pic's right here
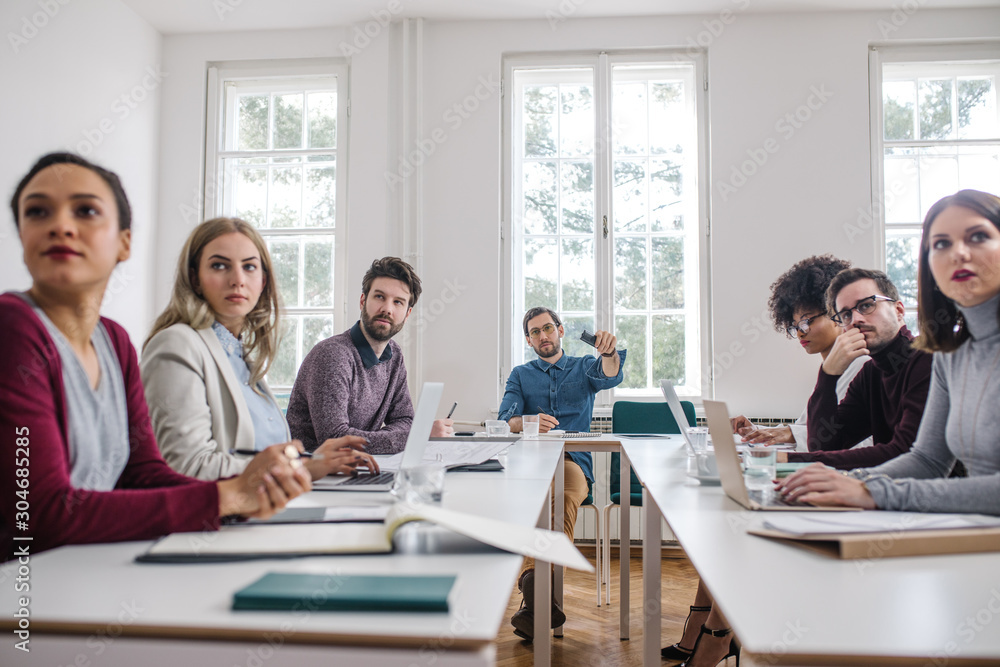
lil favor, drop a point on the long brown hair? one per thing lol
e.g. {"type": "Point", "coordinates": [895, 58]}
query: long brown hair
{"type": "Point", "coordinates": [260, 342]}
{"type": "Point", "coordinates": [937, 315]}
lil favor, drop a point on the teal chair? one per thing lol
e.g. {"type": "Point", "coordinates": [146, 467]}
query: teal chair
{"type": "Point", "coordinates": [633, 417]}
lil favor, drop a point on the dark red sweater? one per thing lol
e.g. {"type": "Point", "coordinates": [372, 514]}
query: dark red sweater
{"type": "Point", "coordinates": [149, 500]}
{"type": "Point", "coordinates": [885, 400]}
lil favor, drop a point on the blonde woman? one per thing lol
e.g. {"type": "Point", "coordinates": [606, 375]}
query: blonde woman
{"type": "Point", "coordinates": [204, 362]}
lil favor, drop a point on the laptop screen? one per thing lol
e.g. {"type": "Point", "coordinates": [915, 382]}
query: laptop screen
{"type": "Point", "coordinates": [423, 422]}
{"type": "Point", "coordinates": [677, 411]}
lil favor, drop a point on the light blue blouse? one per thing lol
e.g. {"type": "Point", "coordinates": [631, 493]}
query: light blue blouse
{"type": "Point", "coordinates": [269, 426]}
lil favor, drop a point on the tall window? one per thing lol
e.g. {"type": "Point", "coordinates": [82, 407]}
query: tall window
{"type": "Point", "coordinates": [276, 159]}
{"type": "Point", "coordinates": [606, 207]}
{"type": "Point", "coordinates": [938, 132]}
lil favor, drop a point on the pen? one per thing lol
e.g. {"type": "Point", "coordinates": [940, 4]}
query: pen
{"type": "Point", "coordinates": [253, 452]}
{"type": "Point", "coordinates": [452, 411]}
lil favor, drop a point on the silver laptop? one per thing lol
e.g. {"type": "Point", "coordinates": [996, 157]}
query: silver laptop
{"type": "Point", "coordinates": [413, 453]}
{"type": "Point", "coordinates": [730, 473]}
{"type": "Point", "coordinates": [677, 411]}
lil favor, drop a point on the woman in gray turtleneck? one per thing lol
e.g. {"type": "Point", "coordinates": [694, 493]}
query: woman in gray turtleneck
{"type": "Point", "coordinates": [959, 317]}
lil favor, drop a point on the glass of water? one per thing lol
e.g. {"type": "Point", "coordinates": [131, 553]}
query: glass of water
{"type": "Point", "coordinates": [497, 427]}
{"type": "Point", "coordinates": [761, 467]}
{"type": "Point", "coordinates": [420, 484]}
{"type": "Point", "coordinates": [529, 426]}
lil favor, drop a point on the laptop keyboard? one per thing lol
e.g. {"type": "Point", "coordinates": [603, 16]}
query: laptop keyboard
{"type": "Point", "coordinates": [365, 479]}
{"type": "Point", "coordinates": [778, 500]}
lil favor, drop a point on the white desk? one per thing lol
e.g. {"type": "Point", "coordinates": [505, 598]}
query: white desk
{"type": "Point", "coordinates": [806, 608]}
{"type": "Point", "coordinates": [92, 605]}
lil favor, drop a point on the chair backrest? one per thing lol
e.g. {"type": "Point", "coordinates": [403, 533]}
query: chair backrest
{"type": "Point", "coordinates": [636, 417]}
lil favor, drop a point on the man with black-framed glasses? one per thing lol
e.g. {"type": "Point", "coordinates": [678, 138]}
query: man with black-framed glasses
{"type": "Point", "coordinates": [560, 389]}
{"type": "Point", "coordinates": [886, 399]}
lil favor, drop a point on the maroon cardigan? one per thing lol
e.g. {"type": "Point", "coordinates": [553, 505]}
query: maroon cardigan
{"type": "Point", "coordinates": [149, 499]}
{"type": "Point", "coordinates": [885, 400]}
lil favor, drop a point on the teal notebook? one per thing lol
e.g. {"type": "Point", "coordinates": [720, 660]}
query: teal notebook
{"type": "Point", "coordinates": [786, 469]}
{"type": "Point", "coordinates": [352, 592]}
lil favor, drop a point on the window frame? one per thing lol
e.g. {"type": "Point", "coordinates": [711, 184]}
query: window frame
{"type": "Point", "coordinates": [601, 63]}
{"type": "Point", "coordinates": [215, 183]}
{"type": "Point", "coordinates": [887, 53]}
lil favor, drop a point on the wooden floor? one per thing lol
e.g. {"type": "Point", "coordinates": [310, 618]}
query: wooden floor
{"type": "Point", "coordinates": [591, 633]}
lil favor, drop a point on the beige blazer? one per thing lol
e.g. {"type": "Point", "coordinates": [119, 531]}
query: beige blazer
{"type": "Point", "coordinates": [195, 403]}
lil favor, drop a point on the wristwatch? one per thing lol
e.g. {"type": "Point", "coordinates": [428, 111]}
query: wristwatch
{"type": "Point", "coordinates": [609, 354]}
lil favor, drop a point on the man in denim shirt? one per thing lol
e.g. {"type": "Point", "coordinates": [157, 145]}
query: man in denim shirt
{"type": "Point", "coordinates": [560, 389]}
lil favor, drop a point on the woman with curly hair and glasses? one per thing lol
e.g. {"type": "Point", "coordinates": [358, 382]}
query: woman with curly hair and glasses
{"type": "Point", "coordinates": [798, 308]}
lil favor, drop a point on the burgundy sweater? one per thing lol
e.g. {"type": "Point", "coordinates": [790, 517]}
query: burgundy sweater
{"type": "Point", "coordinates": [149, 499]}
{"type": "Point", "coordinates": [885, 400]}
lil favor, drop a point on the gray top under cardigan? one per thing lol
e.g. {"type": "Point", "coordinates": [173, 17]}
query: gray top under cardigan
{"type": "Point", "coordinates": [97, 417]}
{"type": "Point", "coordinates": [961, 421]}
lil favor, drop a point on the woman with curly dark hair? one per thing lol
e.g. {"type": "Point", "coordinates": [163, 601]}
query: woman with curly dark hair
{"type": "Point", "coordinates": [798, 308]}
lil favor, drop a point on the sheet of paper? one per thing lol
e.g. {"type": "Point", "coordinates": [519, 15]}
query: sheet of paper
{"type": "Point", "coordinates": [546, 545]}
{"type": "Point", "coordinates": [452, 454]}
{"type": "Point", "coordinates": [874, 522]}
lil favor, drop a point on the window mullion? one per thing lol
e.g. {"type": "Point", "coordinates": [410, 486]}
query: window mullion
{"type": "Point", "coordinates": [603, 244]}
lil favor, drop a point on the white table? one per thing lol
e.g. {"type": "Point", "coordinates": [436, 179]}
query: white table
{"type": "Point", "coordinates": [92, 604]}
{"type": "Point", "coordinates": [789, 605]}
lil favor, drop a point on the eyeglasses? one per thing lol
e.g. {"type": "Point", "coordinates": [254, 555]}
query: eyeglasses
{"type": "Point", "coordinates": [864, 307]}
{"type": "Point", "coordinates": [802, 325]}
{"type": "Point", "coordinates": [549, 329]}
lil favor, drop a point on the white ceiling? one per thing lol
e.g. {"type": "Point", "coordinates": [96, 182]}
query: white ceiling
{"type": "Point", "coordinates": [185, 16]}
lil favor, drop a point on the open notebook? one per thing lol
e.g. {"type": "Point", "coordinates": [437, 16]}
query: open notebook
{"type": "Point", "coordinates": [234, 543]}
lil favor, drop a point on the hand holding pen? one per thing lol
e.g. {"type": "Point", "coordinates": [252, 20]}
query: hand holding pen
{"type": "Point", "coordinates": [335, 456]}
{"type": "Point", "coordinates": [545, 422]}
{"type": "Point", "coordinates": [444, 427]}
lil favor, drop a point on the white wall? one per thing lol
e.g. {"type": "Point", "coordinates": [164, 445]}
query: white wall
{"type": "Point", "coordinates": [64, 74]}
{"type": "Point", "coordinates": [182, 138]}
{"type": "Point", "coordinates": [761, 67]}
{"type": "Point", "coordinates": [67, 76]}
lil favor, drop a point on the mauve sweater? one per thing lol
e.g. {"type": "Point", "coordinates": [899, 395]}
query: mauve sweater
{"type": "Point", "coordinates": [961, 421]}
{"type": "Point", "coordinates": [149, 499]}
{"type": "Point", "coordinates": [885, 400]}
{"type": "Point", "coordinates": [336, 394]}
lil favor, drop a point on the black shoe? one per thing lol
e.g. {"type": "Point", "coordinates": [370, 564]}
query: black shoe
{"type": "Point", "coordinates": [734, 648]}
{"type": "Point", "coordinates": [523, 619]}
{"type": "Point", "coordinates": [677, 652]}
